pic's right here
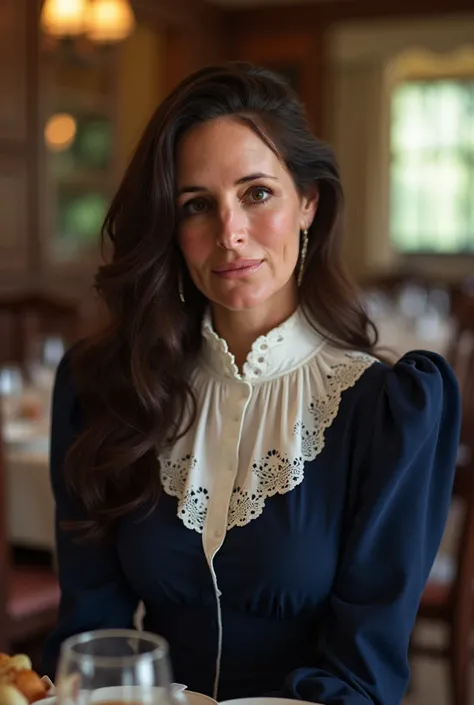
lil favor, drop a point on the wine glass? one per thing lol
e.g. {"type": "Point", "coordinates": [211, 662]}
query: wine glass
{"type": "Point", "coordinates": [116, 667]}
{"type": "Point", "coordinates": [44, 355]}
{"type": "Point", "coordinates": [11, 390]}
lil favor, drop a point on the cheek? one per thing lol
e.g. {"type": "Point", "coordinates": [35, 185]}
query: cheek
{"type": "Point", "coordinates": [276, 230]}
{"type": "Point", "coordinates": [194, 245]}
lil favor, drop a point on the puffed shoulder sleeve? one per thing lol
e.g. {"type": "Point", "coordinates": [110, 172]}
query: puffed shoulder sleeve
{"type": "Point", "coordinates": [94, 593]}
{"type": "Point", "coordinates": [397, 506]}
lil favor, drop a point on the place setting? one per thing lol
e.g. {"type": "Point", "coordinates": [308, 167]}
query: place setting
{"type": "Point", "coordinates": [107, 667]}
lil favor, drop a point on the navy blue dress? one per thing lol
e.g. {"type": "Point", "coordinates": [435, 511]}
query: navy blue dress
{"type": "Point", "coordinates": [318, 594]}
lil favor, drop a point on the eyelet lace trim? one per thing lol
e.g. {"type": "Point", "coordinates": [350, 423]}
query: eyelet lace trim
{"type": "Point", "coordinates": [256, 365]}
{"type": "Point", "coordinates": [277, 472]}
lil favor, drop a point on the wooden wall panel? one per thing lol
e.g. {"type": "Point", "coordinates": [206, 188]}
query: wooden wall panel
{"type": "Point", "coordinates": [13, 83]}
{"type": "Point", "coordinates": [297, 54]}
{"type": "Point", "coordinates": [14, 205]}
{"type": "Point", "coordinates": [305, 16]}
{"type": "Point", "coordinates": [175, 13]}
{"type": "Point", "coordinates": [193, 31]}
{"type": "Point", "coordinates": [17, 140]}
{"type": "Point", "coordinates": [191, 46]}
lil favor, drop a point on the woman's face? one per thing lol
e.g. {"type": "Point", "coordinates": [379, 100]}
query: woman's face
{"type": "Point", "coordinates": [240, 216]}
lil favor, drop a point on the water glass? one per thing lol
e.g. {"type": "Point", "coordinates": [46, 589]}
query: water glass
{"type": "Point", "coordinates": [115, 667]}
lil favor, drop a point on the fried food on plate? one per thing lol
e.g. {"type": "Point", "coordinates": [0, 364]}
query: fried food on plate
{"type": "Point", "coordinates": [19, 684]}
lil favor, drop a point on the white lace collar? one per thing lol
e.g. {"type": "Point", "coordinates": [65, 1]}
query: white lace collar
{"type": "Point", "coordinates": [254, 433]}
{"type": "Point", "coordinates": [278, 352]}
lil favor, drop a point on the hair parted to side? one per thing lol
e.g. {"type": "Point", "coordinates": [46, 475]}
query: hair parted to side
{"type": "Point", "coordinates": [133, 376]}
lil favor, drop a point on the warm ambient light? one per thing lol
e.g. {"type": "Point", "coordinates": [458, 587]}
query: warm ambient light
{"type": "Point", "coordinates": [60, 132]}
{"type": "Point", "coordinates": [102, 21]}
{"type": "Point", "coordinates": [64, 18]}
{"type": "Point", "coordinates": [109, 20]}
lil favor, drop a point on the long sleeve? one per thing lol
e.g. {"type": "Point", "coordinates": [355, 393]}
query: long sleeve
{"type": "Point", "coordinates": [94, 594]}
{"type": "Point", "coordinates": [397, 509]}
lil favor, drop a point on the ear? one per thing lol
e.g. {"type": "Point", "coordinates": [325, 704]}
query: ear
{"type": "Point", "coordinates": [309, 207]}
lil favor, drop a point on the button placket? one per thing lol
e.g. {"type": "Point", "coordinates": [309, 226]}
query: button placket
{"type": "Point", "coordinates": [224, 482]}
{"type": "Point", "coordinates": [218, 509]}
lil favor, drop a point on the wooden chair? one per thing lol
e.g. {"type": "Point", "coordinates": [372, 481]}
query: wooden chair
{"type": "Point", "coordinates": [29, 594]}
{"type": "Point", "coordinates": [22, 316]}
{"type": "Point", "coordinates": [452, 603]}
{"type": "Point", "coordinates": [3, 557]}
{"type": "Point", "coordinates": [461, 357]}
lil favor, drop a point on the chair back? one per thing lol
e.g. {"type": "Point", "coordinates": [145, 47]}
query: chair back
{"type": "Point", "coordinates": [4, 550]}
{"type": "Point", "coordinates": [26, 315]}
{"type": "Point", "coordinates": [461, 357]}
{"type": "Point", "coordinates": [462, 598]}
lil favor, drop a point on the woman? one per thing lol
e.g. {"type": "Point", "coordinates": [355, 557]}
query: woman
{"type": "Point", "coordinates": [229, 451]}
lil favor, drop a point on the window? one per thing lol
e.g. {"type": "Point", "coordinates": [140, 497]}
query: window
{"type": "Point", "coordinates": [432, 167]}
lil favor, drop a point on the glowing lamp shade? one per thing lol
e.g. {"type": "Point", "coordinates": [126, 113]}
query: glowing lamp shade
{"type": "Point", "coordinates": [64, 18]}
{"type": "Point", "coordinates": [109, 20]}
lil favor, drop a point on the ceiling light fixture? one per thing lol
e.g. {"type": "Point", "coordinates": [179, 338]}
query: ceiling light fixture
{"type": "Point", "coordinates": [101, 21]}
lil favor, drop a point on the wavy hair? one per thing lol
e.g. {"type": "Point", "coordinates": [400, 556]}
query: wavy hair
{"type": "Point", "coordinates": [133, 376]}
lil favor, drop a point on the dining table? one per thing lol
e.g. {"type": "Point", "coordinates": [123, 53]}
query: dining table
{"type": "Point", "coordinates": [29, 498]}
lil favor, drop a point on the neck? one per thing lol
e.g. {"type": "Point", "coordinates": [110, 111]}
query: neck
{"type": "Point", "coordinates": [240, 329]}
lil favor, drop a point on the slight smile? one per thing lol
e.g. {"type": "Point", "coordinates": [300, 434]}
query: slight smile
{"type": "Point", "coordinates": [239, 269]}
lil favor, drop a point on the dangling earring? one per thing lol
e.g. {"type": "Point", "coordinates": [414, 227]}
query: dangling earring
{"type": "Point", "coordinates": [304, 249]}
{"type": "Point", "coordinates": [181, 288]}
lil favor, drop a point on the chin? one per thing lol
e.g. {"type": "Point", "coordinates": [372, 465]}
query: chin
{"type": "Point", "coordinates": [242, 301]}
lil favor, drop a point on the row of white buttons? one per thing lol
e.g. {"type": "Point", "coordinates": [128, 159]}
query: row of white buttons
{"type": "Point", "coordinates": [217, 511]}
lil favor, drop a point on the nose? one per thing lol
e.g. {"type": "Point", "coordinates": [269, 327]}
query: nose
{"type": "Point", "coordinates": [231, 228]}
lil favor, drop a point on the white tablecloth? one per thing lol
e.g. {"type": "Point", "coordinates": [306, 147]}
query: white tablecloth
{"type": "Point", "coordinates": [30, 503]}
{"type": "Point", "coordinates": [401, 336]}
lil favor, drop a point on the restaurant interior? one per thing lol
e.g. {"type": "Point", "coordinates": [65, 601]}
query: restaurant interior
{"type": "Point", "coordinates": [388, 83]}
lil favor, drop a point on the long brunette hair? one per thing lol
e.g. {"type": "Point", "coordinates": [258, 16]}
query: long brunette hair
{"type": "Point", "coordinates": [133, 376]}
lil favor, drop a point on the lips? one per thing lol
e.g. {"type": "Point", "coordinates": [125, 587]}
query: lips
{"type": "Point", "coordinates": [240, 269]}
{"type": "Point", "coordinates": [239, 264]}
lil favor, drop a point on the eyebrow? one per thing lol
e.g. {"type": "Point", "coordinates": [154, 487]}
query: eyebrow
{"type": "Point", "coordinates": [243, 180]}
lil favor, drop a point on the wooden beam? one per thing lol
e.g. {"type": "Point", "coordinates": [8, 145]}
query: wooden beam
{"type": "Point", "coordinates": [294, 17]}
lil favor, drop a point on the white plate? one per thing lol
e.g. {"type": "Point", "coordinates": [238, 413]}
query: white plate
{"type": "Point", "coordinates": [264, 701]}
{"type": "Point", "coordinates": [193, 698]}
{"type": "Point", "coordinates": [108, 694]}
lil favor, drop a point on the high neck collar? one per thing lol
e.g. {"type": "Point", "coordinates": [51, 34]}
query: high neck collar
{"type": "Point", "coordinates": [281, 350]}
